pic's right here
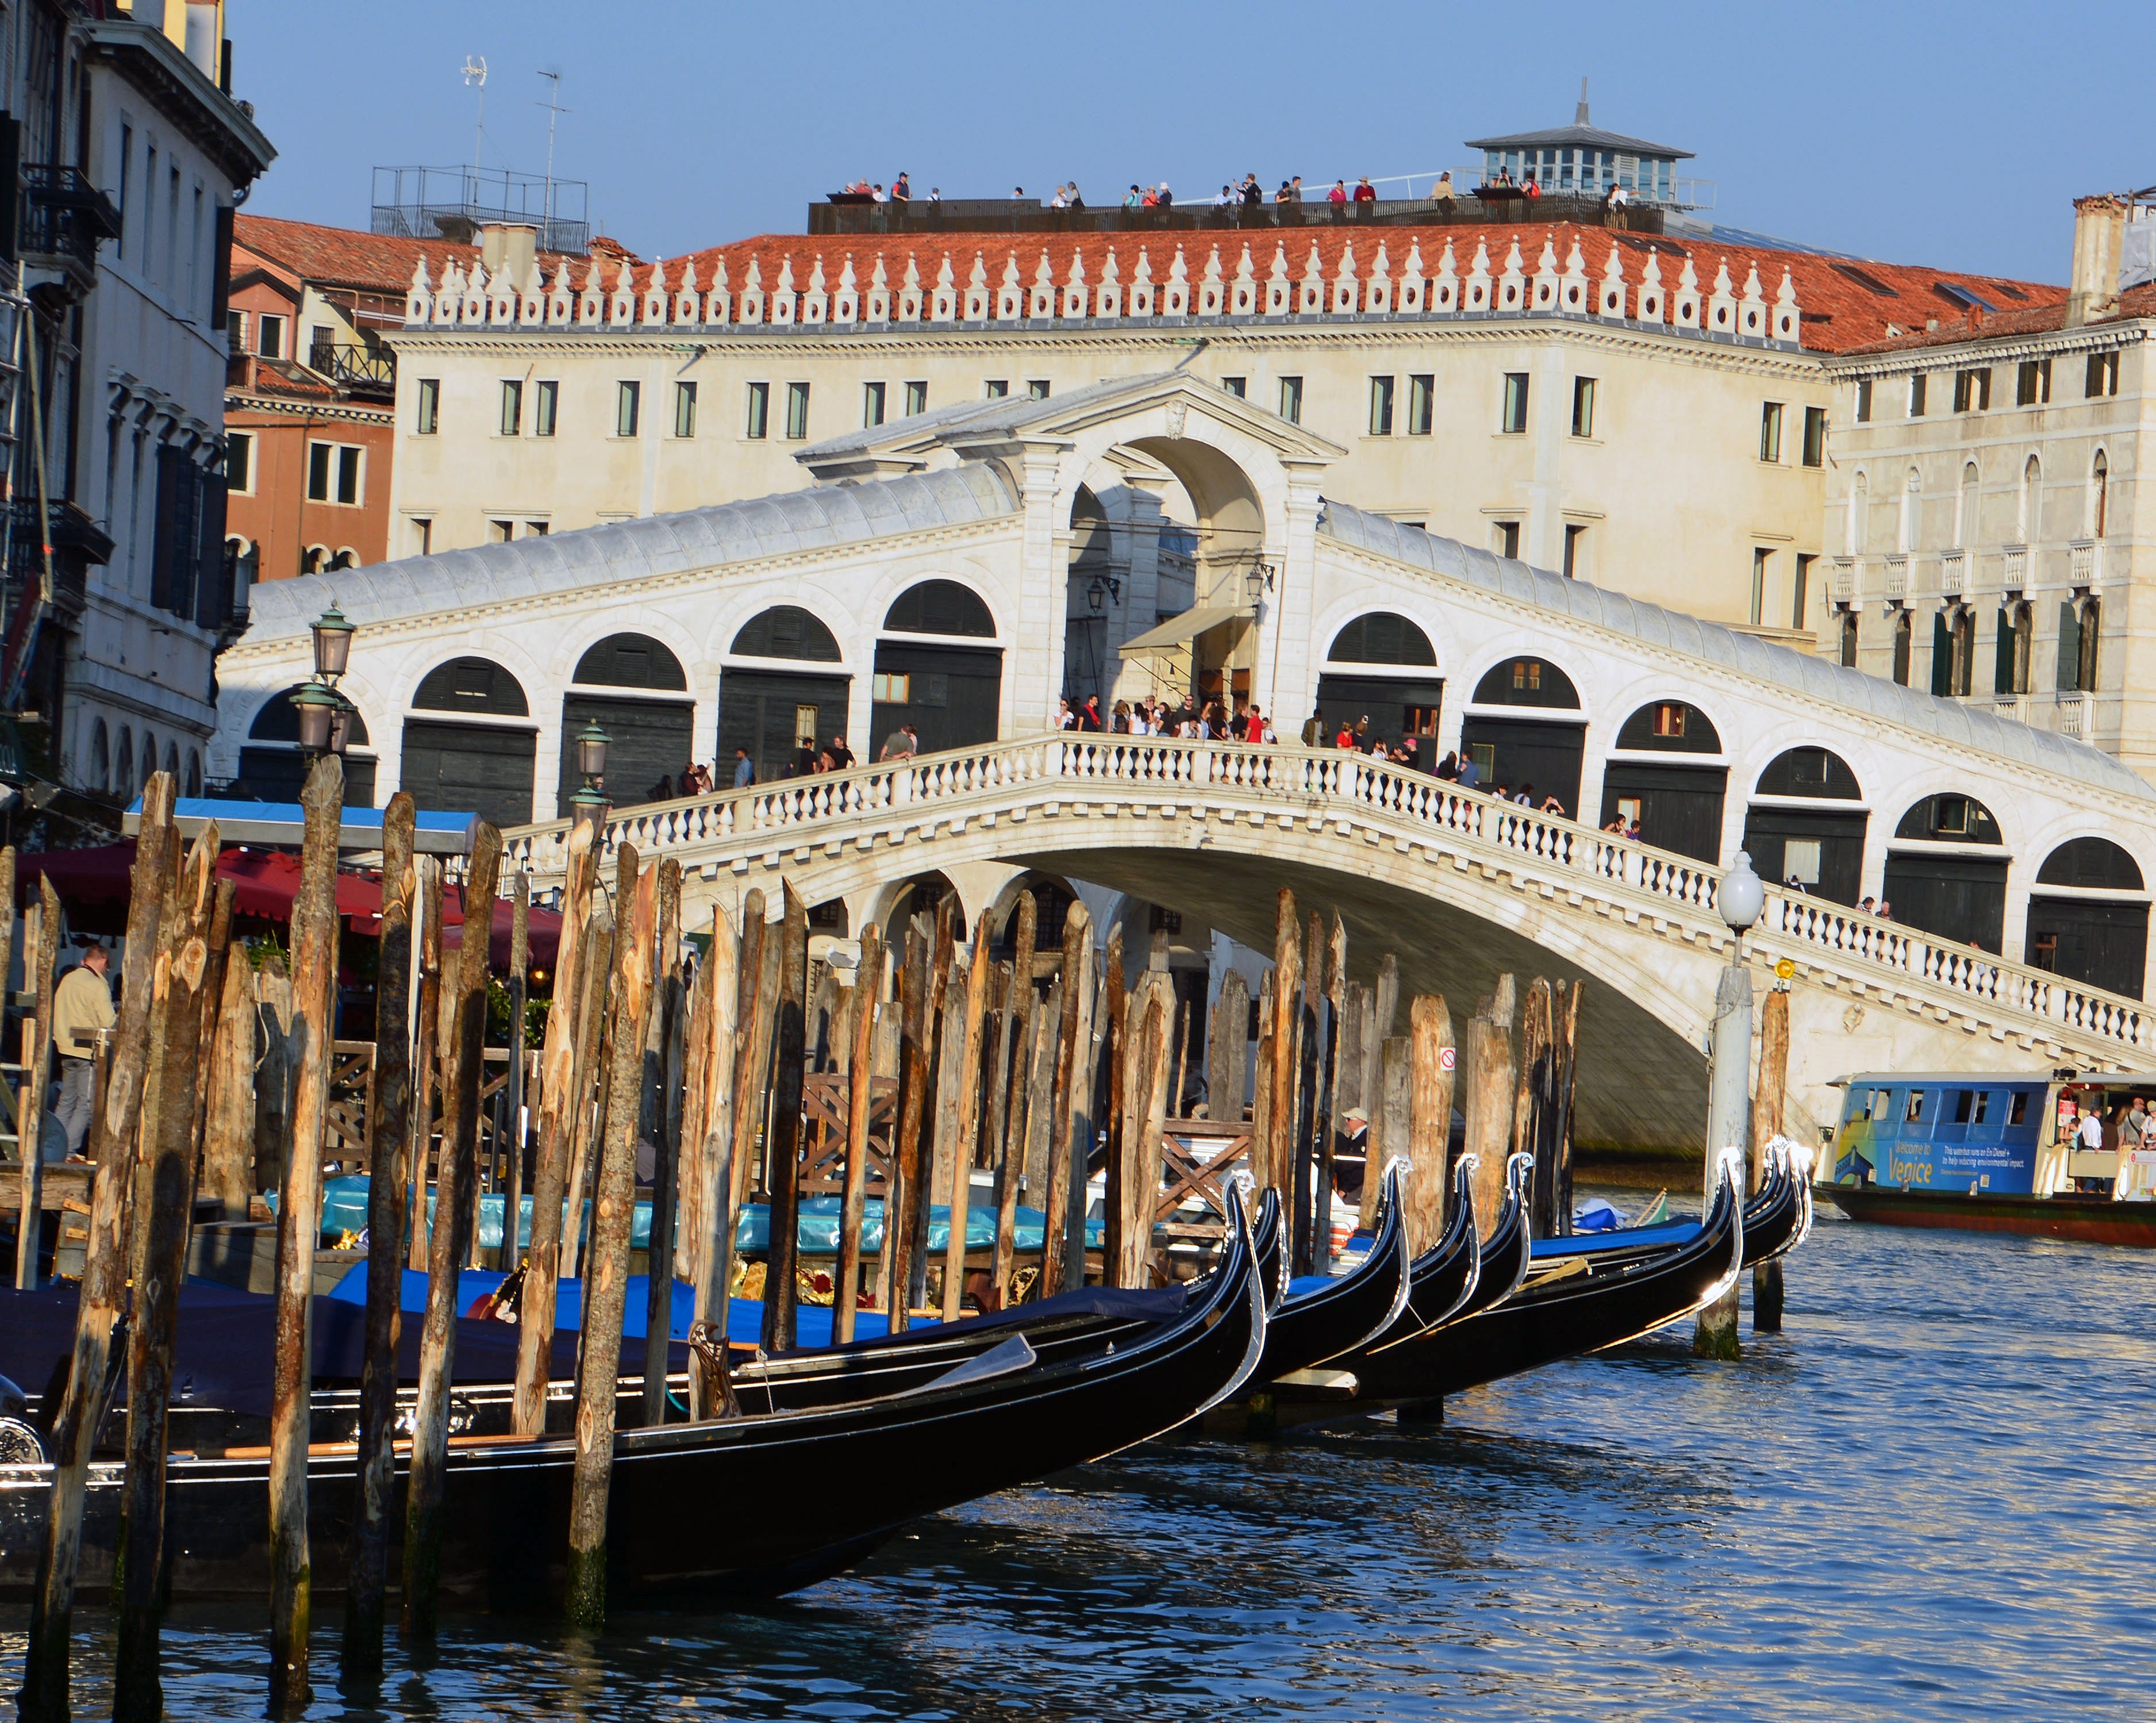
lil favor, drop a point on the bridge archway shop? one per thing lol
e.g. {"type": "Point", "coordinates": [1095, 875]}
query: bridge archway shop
{"type": "Point", "coordinates": [458, 756]}
{"type": "Point", "coordinates": [1670, 775]}
{"type": "Point", "coordinates": [2088, 917]}
{"type": "Point", "coordinates": [775, 705]}
{"type": "Point", "coordinates": [273, 769]}
{"type": "Point", "coordinates": [1525, 726]}
{"type": "Point", "coordinates": [1946, 871]}
{"type": "Point", "coordinates": [1806, 822]}
{"type": "Point", "coordinates": [1381, 665]}
{"type": "Point", "coordinates": [622, 685]}
{"type": "Point", "coordinates": [932, 671]}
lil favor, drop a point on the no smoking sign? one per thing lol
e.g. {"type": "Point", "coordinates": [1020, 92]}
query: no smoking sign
{"type": "Point", "coordinates": [1445, 1060]}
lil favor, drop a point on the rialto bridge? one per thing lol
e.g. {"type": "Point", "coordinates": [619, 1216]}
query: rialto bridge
{"type": "Point", "coordinates": [951, 567]}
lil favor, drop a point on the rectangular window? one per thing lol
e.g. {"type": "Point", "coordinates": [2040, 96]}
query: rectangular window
{"type": "Point", "coordinates": [1583, 406]}
{"type": "Point", "coordinates": [428, 420]}
{"type": "Point", "coordinates": [1239, 387]}
{"type": "Point", "coordinates": [1290, 399]}
{"type": "Point", "coordinates": [1670, 718]}
{"type": "Point", "coordinates": [239, 463]}
{"type": "Point", "coordinates": [320, 455]}
{"type": "Point", "coordinates": [996, 388]}
{"type": "Point", "coordinates": [916, 398]}
{"type": "Point", "coordinates": [270, 335]}
{"type": "Point", "coordinates": [501, 532]}
{"type": "Point", "coordinates": [1800, 588]}
{"type": "Point", "coordinates": [1516, 403]}
{"type": "Point", "coordinates": [512, 407]}
{"type": "Point", "coordinates": [422, 536]}
{"type": "Point", "coordinates": [2032, 384]}
{"type": "Point", "coordinates": [2018, 1112]}
{"type": "Point", "coordinates": [1036, 388]}
{"type": "Point", "coordinates": [1770, 435]}
{"type": "Point", "coordinates": [235, 331]}
{"type": "Point", "coordinates": [685, 409]}
{"type": "Point", "coordinates": [1528, 675]}
{"type": "Point", "coordinates": [759, 411]}
{"type": "Point", "coordinates": [1381, 406]}
{"type": "Point", "coordinates": [1973, 391]}
{"type": "Point", "coordinates": [1800, 860]}
{"type": "Point", "coordinates": [890, 689]}
{"type": "Point", "coordinates": [871, 405]}
{"type": "Point", "coordinates": [1574, 537]}
{"type": "Point", "coordinates": [1760, 560]}
{"type": "Point", "coordinates": [347, 483]}
{"type": "Point", "coordinates": [2102, 377]}
{"type": "Point", "coordinates": [1505, 538]}
{"type": "Point", "coordinates": [535, 529]}
{"type": "Point", "coordinates": [127, 162]}
{"type": "Point", "coordinates": [1815, 436]}
{"type": "Point", "coordinates": [544, 409]}
{"type": "Point", "coordinates": [1422, 404]}
{"type": "Point", "coordinates": [627, 404]}
{"type": "Point", "coordinates": [1864, 401]}
{"type": "Point", "coordinates": [1916, 394]}
{"type": "Point", "coordinates": [797, 411]}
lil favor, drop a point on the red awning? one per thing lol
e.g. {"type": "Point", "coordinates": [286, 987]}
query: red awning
{"type": "Point", "coordinates": [94, 884]}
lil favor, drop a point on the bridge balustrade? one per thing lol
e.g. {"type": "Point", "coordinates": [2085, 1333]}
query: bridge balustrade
{"type": "Point", "coordinates": [1318, 784]}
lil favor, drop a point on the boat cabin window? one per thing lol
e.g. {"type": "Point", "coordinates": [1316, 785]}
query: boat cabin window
{"type": "Point", "coordinates": [1964, 1105]}
{"type": "Point", "coordinates": [1983, 1106]}
{"type": "Point", "coordinates": [2019, 1110]}
{"type": "Point", "coordinates": [1915, 1107]}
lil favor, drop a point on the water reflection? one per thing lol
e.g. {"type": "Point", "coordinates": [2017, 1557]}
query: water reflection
{"type": "Point", "coordinates": [1923, 1500]}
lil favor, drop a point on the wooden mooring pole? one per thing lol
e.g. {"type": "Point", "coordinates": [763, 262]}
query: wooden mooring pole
{"type": "Point", "coordinates": [513, 1133]}
{"type": "Point", "coordinates": [966, 1131]}
{"type": "Point", "coordinates": [781, 1136]}
{"type": "Point", "coordinates": [868, 985]}
{"type": "Point", "coordinates": [1766, 1104]}
{"type": "Point", "coordinates": [41, 935]}
{"type": "Point", "coordinates": [669, 1017]}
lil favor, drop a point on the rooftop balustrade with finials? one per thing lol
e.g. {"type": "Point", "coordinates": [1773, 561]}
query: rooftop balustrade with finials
{"type": "Point", "coordinates": [848, 214]}
{"type": "Point", "coordinates": [353, 365]}
{"type": "Point", "coordinates": [1042, 778]}
{"type": "Point", "coordinates": [63, 217]}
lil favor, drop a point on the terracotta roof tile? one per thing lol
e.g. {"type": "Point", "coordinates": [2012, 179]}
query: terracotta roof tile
{"type": "Point", "coordinates": [2035, 320]}
{"type": "Point", "coordinates": [343, 257]}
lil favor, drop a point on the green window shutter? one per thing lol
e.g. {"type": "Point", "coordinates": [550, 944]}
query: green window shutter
{"type": "Point", "coordinates": [2002, 666]}
{"type": "Point", "coordinates": [2069, 648]}
{"type": "Point", "coordinates": [1942, 655]}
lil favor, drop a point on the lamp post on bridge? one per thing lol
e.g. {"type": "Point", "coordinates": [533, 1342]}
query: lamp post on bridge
{"type": "Point", "coordinates": [1740, 898]}
{"type": "Point", "coordinates": [325, 714]}
{"type": "Point", "coordinates": [589, 805]}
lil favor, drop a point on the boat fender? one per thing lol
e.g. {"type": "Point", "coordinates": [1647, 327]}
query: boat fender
{"type": "Point", "coordinates": [20, 1444]}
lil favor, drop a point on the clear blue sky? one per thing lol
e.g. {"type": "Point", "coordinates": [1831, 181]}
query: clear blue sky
{"type": "Point", "coordinates": [1949, 135]}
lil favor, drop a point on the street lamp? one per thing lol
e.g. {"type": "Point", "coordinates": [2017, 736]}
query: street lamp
{"type": "Point", "coordinates": [326, 716]}
{"type": "Point", "coordinates": [1741, 896]}
{"type": "Point", "coordinates": [318, 704]}
{"type": "Point", "coordinates": [341, 723]}
{"type": "Point", "coordinates": [588, 805]}
{"type": "Point", "coordinates": [332, 636]}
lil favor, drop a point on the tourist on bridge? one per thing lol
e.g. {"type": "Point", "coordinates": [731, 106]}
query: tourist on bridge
{"type": "Point", "coordinates": [900, 191]}
{"type": "Point", "coordinates": [1337, 197]}
{"type": "Point", "coordinates": [1088, 714]}
{"type": "Point", "coordinates": [1365, 192]}
{"type": "Point", "coordinates": [1135, 199]}
{"type": "Point", "coordinates": [901, 744]}
{"type": "Point", "coordinates": [1442, 193]}
{"type": "Point", "coordinates": [839, 752]}
{"type": "Point", "coordinates": [1470, 774]}
{"type": "Point", "coordinates": [744, 770]}
{"type": "Point", "coordinates": [1448, 768]}
{"type": "Point", "coordinates": [1065, 719]}
{"type": "Point", "coordinates": [1226, 200]}
{"type": "Point", "coordinates": [1313, 730]}
{"type": "Point", "coordinates": [1076, 198]}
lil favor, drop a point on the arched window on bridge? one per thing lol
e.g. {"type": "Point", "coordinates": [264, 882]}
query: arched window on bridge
{"type": "Point", "coordinates": [1382, 666]}
{"type": "Point", "coordinates": [2088, 920]}
{"type": "Point", "coordinates": [273, 769]}
{"type": "Point", "coordinates": [650, 736]}
{"type": "Point", "coordinates": [1677, 800]}
{"type": "Point", "coordinates": [466, 760]}
{"type": "Point", "coordinates": [1800, 829]}
{"type": "Point", "coordinates": [1936, 878]}
{"type": "Point", "coordinates": [1537, 734]}
{"type": "Point", "coordinates": [950, 692]}
{"type": "Point", "coordinates": [778, 709]}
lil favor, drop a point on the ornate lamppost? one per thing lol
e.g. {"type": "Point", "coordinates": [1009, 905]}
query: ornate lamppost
{"type": "Point", "coordinates": [589, 806]}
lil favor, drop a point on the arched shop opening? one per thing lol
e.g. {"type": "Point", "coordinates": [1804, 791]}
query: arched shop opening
{"type": "Point", "coordinates": [932, 676]}
{"type": "Point", "coordinates": [780, 710]}
{"type": "Point", "coordinates": [1382, 666]}
{"type": "Point", "coordinates": [1676, 795]}
{"type": "Point", "coordinates": [1525, 727]}
{"type": "Point", "coordinates": [273, 769]}
{"type": "Point", "coordinates": [1801, 826]}
{"type": "Point", "coordinates": [1939, 878]}
{"type": "Point", "coordinates": [622, 685]}
{"type": "Point", "coordinates": [2088, 919]}
{"type": "Point", "coordinates": [459, 757]}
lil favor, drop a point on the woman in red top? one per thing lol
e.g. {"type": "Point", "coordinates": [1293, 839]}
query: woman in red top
{"type": "Point", "coordinates": [1338, 194]}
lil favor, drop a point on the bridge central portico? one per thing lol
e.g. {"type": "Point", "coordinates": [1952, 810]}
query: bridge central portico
{"type": "Point", "coordinates": [934, 579]}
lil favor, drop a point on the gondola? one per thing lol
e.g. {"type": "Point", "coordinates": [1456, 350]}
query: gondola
{"type": "Point", "coordinates": [757, 1505]}
{"type": "Point", "coordinates": [1443, 1278]}
{"type": "Point", "coordinates": [1776, 1218]}
{"type": "Point", "coordinates": [1583, 1307]}
{"type": "Point", "coordinates": [1324, 1315]}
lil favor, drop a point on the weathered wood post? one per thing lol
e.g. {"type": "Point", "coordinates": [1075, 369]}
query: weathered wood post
{"type": "Point", "coordinates": [757, 1001]}
{"type": "Point", "coordinates": [1145, 1107]}
{"type": "Point", "coordinates": [781, 1155]}
{"type": "Point", "coordinates": [1278, 1150]}
{"type": "Point", "coordinates": [389, 1136]}
{"type": "Point", "coordinates": [427, 1051]}
{"type": "Point", "coordinates": [1567, 1070]}
{"type": "Point", "coordinates": [671, 1013]}
{"type": "Point", "coordinates": [1534, 1113]}
{"type": "Point", "coordinates": [1766, 1106]}
{"type": "Point", "coordinates": [1066, 1145]}
{"type": "Point", "coordinates": [1021, 1003]}
{"type": "Point", "coordinates": [560, 1097]}
{"type": "Point", "coordinates": [163, 1178]}
{"type": "Point", "coordinates": [228, 1137]}
{"type": "Point", "coordinates": [711, 1266]}
{"type": "Point", "coordinates": [1227, 1051]}
{"type": "Point", "coordinates": [315, 929]}
{"type": "Point", "coordinates": [512, 1094]}
{"type": "Point", "coordinates": [1728, 1124]}
{"type": "Point", "coordinates": [1379, 1011]}
{"type": "Point", "coordinates": [1430, 1119]}
{"type": "Point", "coordinates": [1117, 1037]}
{"type": "Point", "coordinates": [463, 991]}
{"type": "Point", "coordinates": [606, 1282]}
{"type": "Point", "coordinates": [590, 1065]}
{"type": "Point", "coordinates": [966, 1134]}
{"type": "Point", "coordinates": [1040, 1107]}
{"type": "Point", "coordinates": [45, 1696]}
{"type": "Point", "coordinates": [1487, 1113]}
{"type": "Point", "coordinates": [1326, 1135]}
{"type": "Point", "coordinates": [41, 939]}
{"type": "Point", "coordinates": [861, 1099]}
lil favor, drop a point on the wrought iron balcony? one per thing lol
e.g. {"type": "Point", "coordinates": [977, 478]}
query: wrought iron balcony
{"type": "Point", "coordinates": [77, 542]}
{"type": "Point", "coordinates": [353, 365]}
{"type": "Point", "coordinates": [63, 217]}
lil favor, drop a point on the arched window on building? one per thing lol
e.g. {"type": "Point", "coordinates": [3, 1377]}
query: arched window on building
{"type": "Point", "coordinates": [1902, 629]}
{"type": "Point", "coordinates": [146, 765]}
{"type": "Point", "coordinates": [949, 689]}
{"type": "Point", "coordinates": [243, 564]}
{"type": "Point", "coordinates": [650, 735]}
{"type": "Point", "coordinates": [2081, 622]}
{"type": "Point", "coordinates": [468, 759]}
{"type": "Point", "coordinates": [774, 710]}
{"type": "Point", "coordinates": [2009, 671]}
{"type": "Point", "coordinates": [2099, 494]}
{"type": "Point", "coordinates": [1965, 505]}
{"type": "Point", "coordinates": [1382, 666]}
{"type": "Point", "coordinates": [1804, 826]}
{"type": "Point", "coordinates": [1537, 735]}
{"type": "Point", "coordinates": [1938, 877]}
{"type": "Point", "coordinates": [345, 557]}
{"type": "Point", "coordinates": [2088, 917]}
{"type": "Point", "coordinates": [1954, 642]}
{"type": "Point", "coordinates": [2029, 506]}
{"type": "Point", "coordinates": [1675, 800]}
{"type": "Point", "coordinates": [273, 769]}
{"type": "Point", "coordinates": [99, 775]}
{"type": "Point", "coordinates": [1905, 527]}
{"type": "Point", "coordinates": [194, 778]}
{"type": "Point", "coordinates": [123, 764]}
{"type": "Point", "coordinates": [1849, 626]}
{"type": "Point", "coordinates": [314, 559]}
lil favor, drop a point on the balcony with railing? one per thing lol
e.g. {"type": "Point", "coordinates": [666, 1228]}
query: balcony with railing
{"type": "Point", "coordinates": [2085, 563]}
{"type": "Point", "coordinates": [1898, 576]}
{"type": "Point", "coordinates": [2016, 571]}
{"type": "Point", "coordinates": [355, 366]}
{"type": "Point", "coordinates": [63, 218]}
{"type": "Point", "coordinates": [1953, 574]}
{"type": "Point", "coordinates": [1846, 580]}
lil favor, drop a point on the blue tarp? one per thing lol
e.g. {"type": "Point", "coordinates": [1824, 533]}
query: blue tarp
{"type": "Point", "coordinates": [344, 1210]}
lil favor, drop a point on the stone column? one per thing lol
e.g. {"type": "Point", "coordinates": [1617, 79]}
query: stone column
{"type": "Point", "coordinates": [1283, 680]}
{"type": "Point", "coordinates": [1033, 659]}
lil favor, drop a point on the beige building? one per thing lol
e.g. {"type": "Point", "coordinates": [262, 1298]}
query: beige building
{"type": "Point", "coordinates": [1983, 513]}
{"type": "Point", "coordinates": [1645, 411]}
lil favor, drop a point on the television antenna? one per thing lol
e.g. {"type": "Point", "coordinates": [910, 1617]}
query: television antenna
{"type": "Point", "coordinates": [476, 78]}
{"type": "Point", "coordinates": [554, 112]}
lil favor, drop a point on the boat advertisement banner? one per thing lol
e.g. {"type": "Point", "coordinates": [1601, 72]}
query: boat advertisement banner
{"type": "Point", "coordinates": [1938, 1139]}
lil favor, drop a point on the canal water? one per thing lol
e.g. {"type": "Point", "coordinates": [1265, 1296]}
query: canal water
{"type": "Point", "coordinates": [1927, 1498]}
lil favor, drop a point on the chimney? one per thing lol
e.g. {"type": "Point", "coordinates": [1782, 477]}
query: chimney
{"type": "Point", "coordinates": [2099, 231]}
{"type": "Point", "coordinates": [1579, 114]}
{"type": "Point", "coordinates": [501, 243]}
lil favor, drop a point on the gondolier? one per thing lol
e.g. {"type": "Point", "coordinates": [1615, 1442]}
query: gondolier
{"type": "Point", "coordinates": [81, 1008]}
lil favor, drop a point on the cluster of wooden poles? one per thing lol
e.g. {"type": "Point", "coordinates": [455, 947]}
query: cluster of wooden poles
{"type": "Point", "coordinates": [707, 1062]}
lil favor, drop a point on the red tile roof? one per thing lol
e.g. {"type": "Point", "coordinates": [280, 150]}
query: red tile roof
{"type": "Point", "coordinates": [343, 257]}
{"type": "Point", "coordinates": [2037, 320]}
